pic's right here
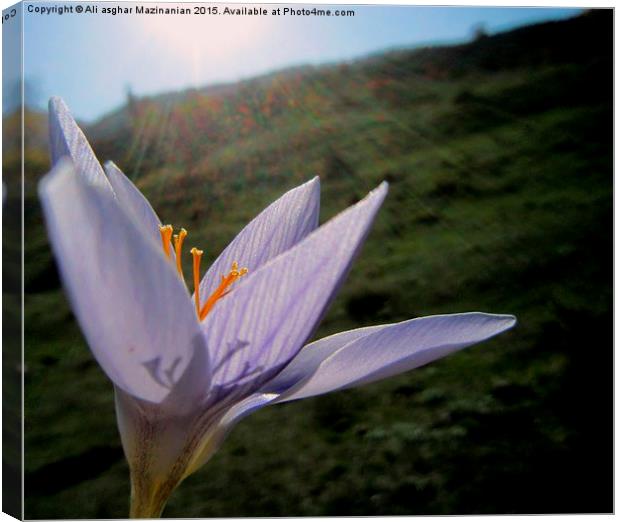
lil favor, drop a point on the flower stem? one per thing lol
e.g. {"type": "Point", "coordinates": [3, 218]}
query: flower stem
{"type": "Point", "coordinates": [140, 509]}
{"type": "Point", "coordinates": [146, 508]}
{"type": "Point", "coordinates": [148, 501]}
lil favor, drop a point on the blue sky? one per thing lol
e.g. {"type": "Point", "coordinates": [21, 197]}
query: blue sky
{"type": "Point", "coordinates": [91, 59]}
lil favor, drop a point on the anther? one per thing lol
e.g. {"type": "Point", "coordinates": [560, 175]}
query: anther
{"type": "Point", "coordinates": [166, 235]}
{"type": "Point", "coordinates": [178, 248]}
{"type": "Point", "coordinates": [223, 289]}
{"type": "Point", "coordinates": [197, 255]}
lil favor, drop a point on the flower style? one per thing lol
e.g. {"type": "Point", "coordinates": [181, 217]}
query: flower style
{"type": "Point", "coordinates": [187, 366]}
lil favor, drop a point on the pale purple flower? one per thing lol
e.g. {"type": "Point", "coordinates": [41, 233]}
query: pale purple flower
{"type": "Point", "coordinates": [186, 370]}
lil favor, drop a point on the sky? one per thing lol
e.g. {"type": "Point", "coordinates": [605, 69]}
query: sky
{"type": "Point", "coordinates": [91, 59]}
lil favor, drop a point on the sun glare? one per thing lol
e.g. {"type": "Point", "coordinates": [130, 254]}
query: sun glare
{"type": "Point", "coordinates": [206, 42]}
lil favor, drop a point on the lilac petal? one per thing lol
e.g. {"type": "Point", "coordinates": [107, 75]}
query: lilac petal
{"type": "Point", "coordinates": [308, 360]}
{"type": "Point", "coordinates": [67, 139]}
{"type": "Point", "coordinates": [275, 310]}
{"type": "Point", "coordinates": [364, 355]}
{"type": "Point", "coordinates": [281, 225]}
{"type": "Point", "coordinates": [132, 200]}
{"type": "Point", "coordinates": [134, 310]}
{"type": "Point", "coordinates": [163, 429]}
{"type": "Point", "coordinates": [218, 433]}
{"type": "Point", "coordinates": [394, 349]}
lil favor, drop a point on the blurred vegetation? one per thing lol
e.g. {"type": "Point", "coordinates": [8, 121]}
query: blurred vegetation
{"type": "Point", "coordinates": [12, 440]}
{"type": "Point", "coordinates": [499, 155]}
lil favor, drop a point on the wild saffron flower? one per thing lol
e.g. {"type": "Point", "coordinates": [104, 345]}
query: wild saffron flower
{"type": "Point", "coordinates": [188, 365]}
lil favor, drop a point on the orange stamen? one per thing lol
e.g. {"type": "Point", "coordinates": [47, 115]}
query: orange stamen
{"type": "Point", "coordinates": [223, 289]}
{"type": "Point", "coordinates": [166, 235]}
{"type": "Point", "coordinates": [197, 254]}
{"type": "Point", "coordinates": [178, 248]}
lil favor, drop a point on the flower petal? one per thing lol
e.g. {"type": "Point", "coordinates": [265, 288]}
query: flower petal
{"type": "Point", "coordinates": [394, 349]}
{"type": "Point", "coordinates": [276, 229]}
{"type": "Point", "coordinates": [265, 321]}
{"type": "Point", "coordinates": [131, 199]}
{"type": "Point", "coordinates": [67, 139]}
{"type": "Point", "coordinates": [134, 310]}
{"type": "Point", "coordinates": [352, 358]}
{"type": "Point", "coordinates": [310, 357]}
{"type": "Point", "coordinates": [218, 432]}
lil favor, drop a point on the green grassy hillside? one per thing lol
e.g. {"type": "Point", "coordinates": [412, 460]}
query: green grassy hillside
{"type": "Point", "coordinates": [499, 157]}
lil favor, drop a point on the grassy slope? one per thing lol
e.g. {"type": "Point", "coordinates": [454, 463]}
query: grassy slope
{"type": "Point", "coordinates": [499, 157]}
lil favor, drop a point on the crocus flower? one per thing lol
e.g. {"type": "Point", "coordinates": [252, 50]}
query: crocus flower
{"type": "Point", "coordinates": [187, 366]}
